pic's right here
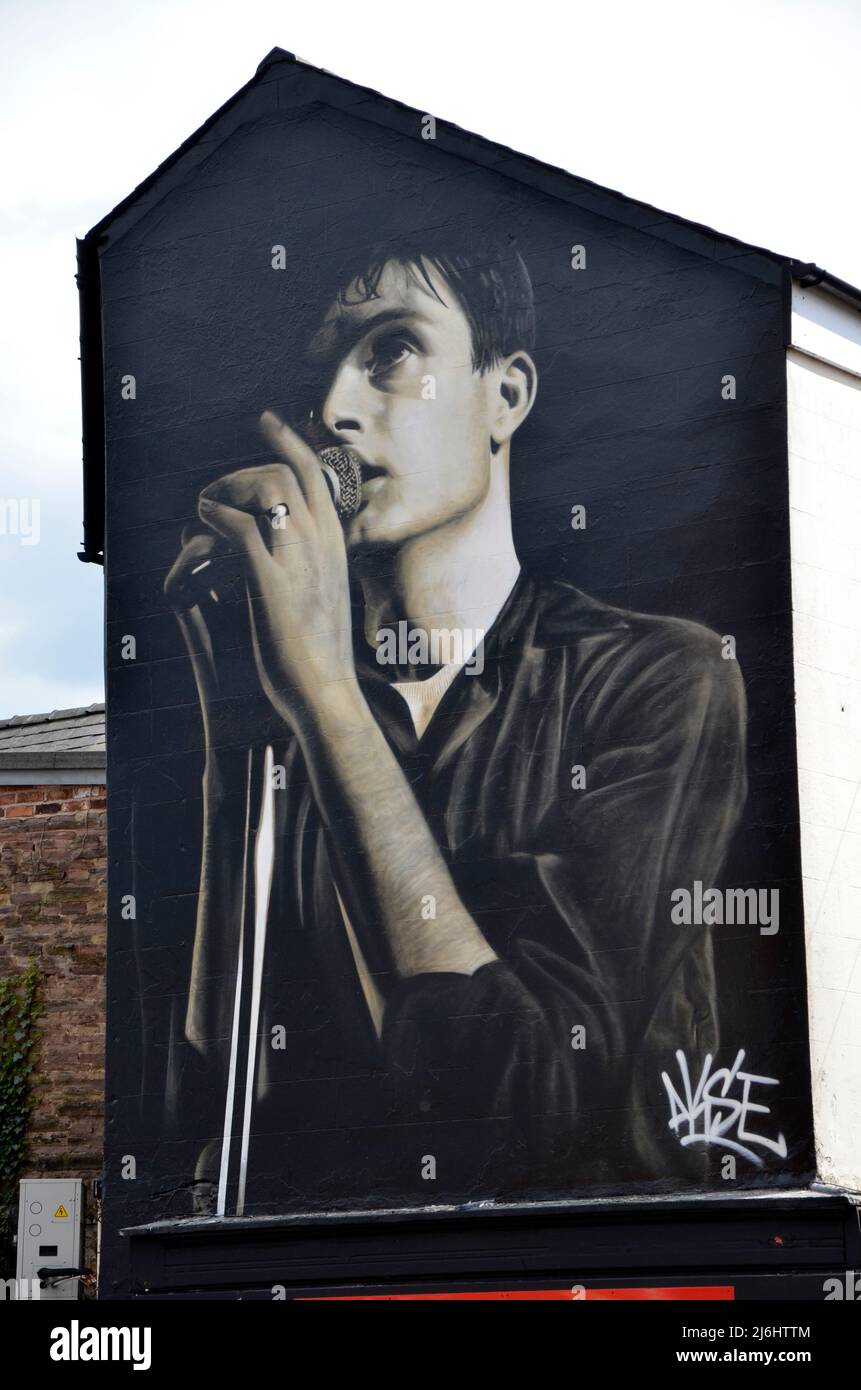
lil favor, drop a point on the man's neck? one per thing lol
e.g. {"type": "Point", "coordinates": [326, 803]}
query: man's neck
{"type": "Point", "coordinates": [456, 577]}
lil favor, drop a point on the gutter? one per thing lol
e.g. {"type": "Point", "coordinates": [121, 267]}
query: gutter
{"type": "Point", "coordinates": [809, 275]}
{"type": "Point", "coordinates": [39, 768]}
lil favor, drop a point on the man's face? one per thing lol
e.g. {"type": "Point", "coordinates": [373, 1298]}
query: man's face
{"type": "Point", "coordinates": [403, 393]}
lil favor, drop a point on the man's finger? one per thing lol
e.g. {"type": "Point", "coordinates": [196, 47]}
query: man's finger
{"type": "Point", "coordinates": [195, 556]}
{"type": "Point", "coordinates": [255, 489]}
{"type": "Point", "coordinates": [299, 455]}
{"type": "Point", "coordinates": [238, 528]}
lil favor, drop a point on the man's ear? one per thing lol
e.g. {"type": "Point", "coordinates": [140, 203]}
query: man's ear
{"type": "Point", "coordinates": [515, 388]}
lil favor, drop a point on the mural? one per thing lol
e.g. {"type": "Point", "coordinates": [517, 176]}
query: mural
{"type": "Point", "coordinates": [458, 803]}
{"type": "Point", "coordinates": [457, 864]}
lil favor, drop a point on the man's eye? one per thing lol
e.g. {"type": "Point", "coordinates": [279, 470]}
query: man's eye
{"type": "Point", "coordinates": [388, 352]}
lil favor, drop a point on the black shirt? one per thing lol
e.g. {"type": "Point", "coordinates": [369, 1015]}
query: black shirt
{"type": "Point", "coordinates": [539, 1076]}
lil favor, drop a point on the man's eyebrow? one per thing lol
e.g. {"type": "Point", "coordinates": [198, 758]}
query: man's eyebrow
{"type": "Point", "coordinates": [347, 332]}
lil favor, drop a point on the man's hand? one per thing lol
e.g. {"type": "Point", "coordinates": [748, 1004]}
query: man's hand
{"type": "Point", "coordinates": [384, 854]}
{"type": "Point", "coordinates": [295, 573]}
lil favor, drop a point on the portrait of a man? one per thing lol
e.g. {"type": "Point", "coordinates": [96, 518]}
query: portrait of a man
{"type": "Point", "coordinates": [434, 956]}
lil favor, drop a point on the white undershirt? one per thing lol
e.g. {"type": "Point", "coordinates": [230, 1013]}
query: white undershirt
{"type": "Point", "coordinates": [422, 697]}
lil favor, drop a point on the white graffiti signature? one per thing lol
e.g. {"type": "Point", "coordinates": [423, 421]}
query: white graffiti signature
{"type": "Point", "coordinates": [710, 1114]}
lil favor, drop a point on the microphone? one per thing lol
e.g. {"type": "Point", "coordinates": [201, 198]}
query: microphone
{"type": "Point", "coordinates": [343, 473]}
{"type": "Point", "coordinates": [191, 576]}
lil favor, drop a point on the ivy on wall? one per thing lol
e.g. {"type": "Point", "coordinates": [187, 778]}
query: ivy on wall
{"type": "Point", "coordinates": [20, 1006]}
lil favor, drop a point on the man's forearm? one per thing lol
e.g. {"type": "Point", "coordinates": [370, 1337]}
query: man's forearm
{"type": "Point", "coordinates": [350, 763]}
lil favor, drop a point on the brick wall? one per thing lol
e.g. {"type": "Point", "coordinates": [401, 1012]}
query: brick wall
{"type": "Point", "coordinates": [52, 910]}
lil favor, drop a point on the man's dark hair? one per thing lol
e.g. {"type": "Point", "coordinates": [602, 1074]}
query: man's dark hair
{"type": "Point", "coordinates": [488, 275]}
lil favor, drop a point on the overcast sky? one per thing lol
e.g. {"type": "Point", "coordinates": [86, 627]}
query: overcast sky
{"type": "Point", "coordinates": [742, 114]}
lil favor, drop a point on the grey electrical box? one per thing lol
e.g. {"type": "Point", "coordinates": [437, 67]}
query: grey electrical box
{"type": "Point", "coordinates": [50, 1219]}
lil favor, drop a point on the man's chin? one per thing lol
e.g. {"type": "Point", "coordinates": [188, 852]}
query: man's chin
{"type": "Point", "coordinates": [386, 530]}
{"type": "Point", "coordinates": [367, 531]}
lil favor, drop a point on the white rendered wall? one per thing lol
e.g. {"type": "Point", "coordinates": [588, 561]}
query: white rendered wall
{"type": "Point", "coordinates": [824, 400]}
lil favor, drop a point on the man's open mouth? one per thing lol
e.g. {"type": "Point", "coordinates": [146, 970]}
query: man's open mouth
{"type": "Point", "coordinates": [370, 471]}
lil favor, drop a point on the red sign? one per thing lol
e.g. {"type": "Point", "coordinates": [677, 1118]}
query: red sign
{"type": "Point", "coordinates": [713, 1292]}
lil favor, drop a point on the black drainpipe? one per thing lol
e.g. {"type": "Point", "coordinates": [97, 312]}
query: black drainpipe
{"type": "Point", "coordinates": [92, 402]}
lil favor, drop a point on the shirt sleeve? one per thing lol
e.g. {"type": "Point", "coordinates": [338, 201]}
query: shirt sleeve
{"type": "Point", "coordinates": [596, 987]}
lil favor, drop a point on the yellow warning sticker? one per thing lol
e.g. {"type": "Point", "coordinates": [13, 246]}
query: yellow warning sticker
{"type": "Point", "coordinates": [61, 1213]}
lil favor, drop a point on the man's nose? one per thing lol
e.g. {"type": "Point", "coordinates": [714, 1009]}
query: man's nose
{"type": "Point", "coordinates": [344, 409]}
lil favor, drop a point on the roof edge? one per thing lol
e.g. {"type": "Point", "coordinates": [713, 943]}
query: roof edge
{"type": "Point", "coordinates": [89, 277]}
{"type": "Point", "coordinates": [281, 55]}
{"type": "Point", "coordinates": [275, 55]}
